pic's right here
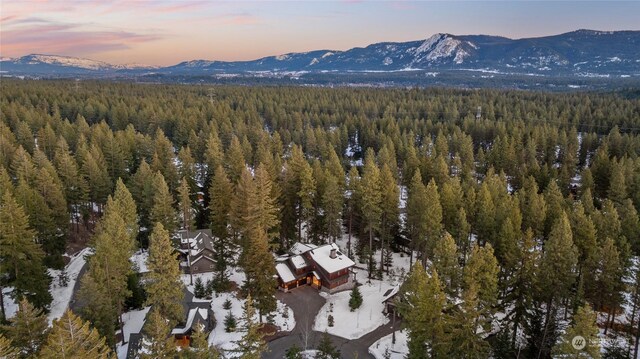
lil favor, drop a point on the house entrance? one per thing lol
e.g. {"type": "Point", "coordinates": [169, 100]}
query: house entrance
{"type": "Point", "coordinates": [314, 280]}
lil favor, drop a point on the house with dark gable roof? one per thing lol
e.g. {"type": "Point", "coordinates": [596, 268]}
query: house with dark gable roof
{"type": "Point", "coordinates": [196, 251]}
{"type": "Point", "coordinates": [323, 267]}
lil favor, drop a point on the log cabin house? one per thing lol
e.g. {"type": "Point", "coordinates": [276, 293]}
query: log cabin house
{"type": "Point", "coordinates": [323, 267]}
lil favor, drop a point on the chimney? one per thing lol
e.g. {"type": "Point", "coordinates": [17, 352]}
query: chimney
{"type": "Point", "coordinates": [333, 253]}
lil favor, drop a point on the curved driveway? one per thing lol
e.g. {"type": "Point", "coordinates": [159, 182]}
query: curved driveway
{"type": "Point", "coordinates": [306, 303]}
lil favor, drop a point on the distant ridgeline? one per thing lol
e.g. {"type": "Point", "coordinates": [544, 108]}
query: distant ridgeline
{"type": "Point", "coordinates": [583, 59]}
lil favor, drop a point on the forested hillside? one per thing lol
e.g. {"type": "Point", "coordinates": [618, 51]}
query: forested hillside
{"type": "Point", "coordinates": [519, 210]}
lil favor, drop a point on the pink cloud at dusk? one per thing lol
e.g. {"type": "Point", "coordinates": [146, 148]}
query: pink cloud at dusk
{"type": "Point", "coordinates": [165, 32]}
{"type": "Point", "coordinates": [35, 35]}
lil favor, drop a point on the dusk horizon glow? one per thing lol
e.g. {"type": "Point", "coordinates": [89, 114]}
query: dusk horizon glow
{"type": "Point", "coordinates": [167, 32]}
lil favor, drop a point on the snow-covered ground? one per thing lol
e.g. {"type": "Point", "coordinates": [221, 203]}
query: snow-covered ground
{"type": "Point", "coordinates": [139, 259]}
{"type": "Point", "coordinates": [62, 294]}
{"type": "Point", "coordinates": [399, 350]}
{"type": "Point", "coordinates": [10, 306]}
{"type": "Point", "coordinates": [353, 325]}
{"type": "Point", "coordinates": [133, 322]}
{"type": "Point", "coordinates": [283, 319]}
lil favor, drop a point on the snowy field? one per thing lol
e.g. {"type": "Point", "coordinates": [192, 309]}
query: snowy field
{"type": "Point", "coordinates": [353, 325]}
{"type": "Point", "coordinates": [62, 294]}
{"type": "Point", "coordinates": [399, 350]}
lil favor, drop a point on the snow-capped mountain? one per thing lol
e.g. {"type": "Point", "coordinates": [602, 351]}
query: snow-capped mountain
{"type": "Point", "coordinates": [53, 64]}
{"type": "Point", "coordinates": [585, 53]}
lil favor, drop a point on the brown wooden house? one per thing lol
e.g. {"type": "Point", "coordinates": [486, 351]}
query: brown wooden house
{"type": "Point", "coordinates": [323, 267]}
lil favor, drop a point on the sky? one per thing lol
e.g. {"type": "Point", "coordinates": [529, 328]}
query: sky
{"type": "Point", "coordinates": [167, 32]}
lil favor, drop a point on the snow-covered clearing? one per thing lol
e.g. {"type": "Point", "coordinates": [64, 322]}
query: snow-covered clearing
{"type": "Point", "coordinates": [62, 294]}
{"type": "Point", "coordinates": [133, 322]}
{"type": "Point", "coordinates": [399, 350]}
{"type": "Point", "coordinates": [282, 318]}
{"type": "Point", "coordinates": [353, 325]}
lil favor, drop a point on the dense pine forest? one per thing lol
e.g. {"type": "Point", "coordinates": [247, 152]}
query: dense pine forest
{"type": "Point", "coordinates": [518, 210]}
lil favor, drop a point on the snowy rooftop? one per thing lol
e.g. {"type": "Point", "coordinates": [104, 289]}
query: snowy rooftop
{"type": "Point", "coordinates": [298, 262]}
{"type": "Point", "coordinates": [299, 248]}
{"type": "Point", "coordinates": [203, 313]}
{"type": "Point", "coordinates": [285, 273]}
{"type": "Point", "coordinates": [390, 293]}
{"type": "Point", "coordinates": [322, 256]}
{"type": "Point", "coordinates": [196, 240]}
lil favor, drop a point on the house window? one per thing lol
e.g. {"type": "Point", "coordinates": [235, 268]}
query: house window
{"type": "Point", "coordinates": [210, 266]}
{"type": "Point", "coordinates": [195, 268]}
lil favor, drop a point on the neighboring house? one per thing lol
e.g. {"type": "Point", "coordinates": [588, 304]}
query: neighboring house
{"type": "Point", "coordinates": [196, 248]}
{"type": "Point", "coordinates": [198, 313]}
{"type": "Point", "coordinates": [390, 300]}
{"type": "Point", "coordinates": [323, 267]}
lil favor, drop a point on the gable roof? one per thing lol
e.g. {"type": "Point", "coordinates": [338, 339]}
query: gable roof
{"type": "Point", "coordinates": [194, 316]}
{"type": "Point", "coordinates": [300, 248]}
{"type": "Point", "coordinates": [197, 240]}
{"type": "Point", "coordinates": [285, 273]}
{"type": "Point", "coordinates": [298, 262]}
{"type": "Point", "coordinates": [389, 294]}
{"type": "Point", "coordinates": [322, 257]}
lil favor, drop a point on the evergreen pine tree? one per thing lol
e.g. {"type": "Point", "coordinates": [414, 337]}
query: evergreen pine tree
{"type": "Point", "coordinates": [185, 208]}
{"type": "Point", "coordinates": [482, 270]}
{"type": "Point", "coordinates": [421, 304]}
{"type": "Point", "coordinates": [200, 348]}
{"type": "Point", "coordinates": [465, 340]}
{"type": "Point", "coordinates": [585, 326]}
{"type": "Point", "coordinates": [7, 350]}
{"type": "Point", "coordinates": [263, 210]}
{"type": "Point", "coordinates": [104, 287]}
{"type": "Point", "coordinates": [251, 345]}
{"type": "Point", "coordinates": [390, 214]}
{"type": "Point", "coordinates": [157, 343]}
{"type": "Point", "coordinates": [230, 323]}
{"type": "Point", "coordinates": [199, 291]}
{"type": "Point", "coordinates": [27, 330]}
{"type": "Point", "coordinates": [234, 161]}
{"type": "Point", "coordinates": [162, 210]}
{"type": "Point", "coordinates": [20, 257]}
{"type": "Point", "coordinates": [355, 300]}
{"type": "Point", "coordinates": [332, 201]}
{"type": "Point", "coordinates": [125, 206]}
{"type": "Point", "coordinates": [163, 284]}
{"type": "Point", "coordinates": [445, 260]}
{"type": "Point", "coordinates": [326, 349]}
{"type": "Point", "coordinates": [416, 213]}
{"type": "Point", "coordinates": [71, 337]}
{"type": "Point", "coordinates": [294, 352]}
{"type": "Point", "coordinates": [259, 267]}
{"type": "Point", "coordinates": [371, 197]}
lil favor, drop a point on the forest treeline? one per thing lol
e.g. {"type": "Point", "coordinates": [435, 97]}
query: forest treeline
{"type": "Point", "coordinates": [520, 208]}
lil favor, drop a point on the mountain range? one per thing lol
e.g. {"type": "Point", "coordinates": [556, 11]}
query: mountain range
{"type": "Point", "coordinates": [581, 53]}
